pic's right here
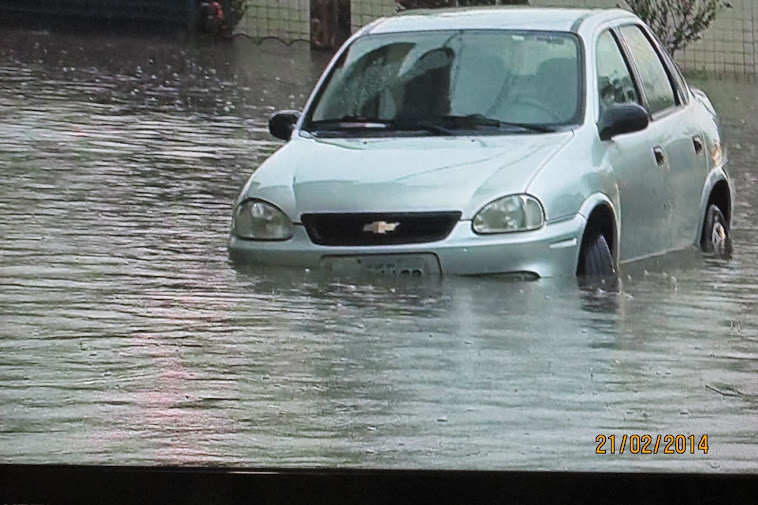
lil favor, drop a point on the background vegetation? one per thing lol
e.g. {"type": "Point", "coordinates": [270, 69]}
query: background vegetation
{"type": "Point", "coordinates": [234, 11]}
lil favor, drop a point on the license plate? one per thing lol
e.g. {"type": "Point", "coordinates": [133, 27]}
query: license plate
{"type": "Point", "coordinates": [412, 265]}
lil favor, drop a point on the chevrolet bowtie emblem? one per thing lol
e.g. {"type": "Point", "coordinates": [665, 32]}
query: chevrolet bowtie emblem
{"type": "Point", "coordinates": [381, 227]}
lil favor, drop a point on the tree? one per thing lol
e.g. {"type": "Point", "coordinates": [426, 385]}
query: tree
{"type": "Point", "coordinates": [234, 11]}
{"type": "Point", "coordinates": [678, 23]}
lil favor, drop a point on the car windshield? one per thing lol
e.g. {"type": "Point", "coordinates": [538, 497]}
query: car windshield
{"type": "Point", "coordinates": [445, 82]}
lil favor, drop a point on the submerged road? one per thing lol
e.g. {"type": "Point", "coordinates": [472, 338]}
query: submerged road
{"type": "Point", "coordinates": [126, 336]}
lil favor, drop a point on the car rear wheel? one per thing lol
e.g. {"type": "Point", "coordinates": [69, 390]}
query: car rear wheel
{"type": "Point", "coordinates": [715, 239]}
{"type": "Point", "coordinates": [595, 259]}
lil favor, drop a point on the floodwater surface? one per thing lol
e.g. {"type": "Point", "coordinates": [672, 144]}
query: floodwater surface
{"type": "Point", "coordinates": [127, 337]}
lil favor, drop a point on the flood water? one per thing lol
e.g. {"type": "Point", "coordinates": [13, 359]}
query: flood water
{"type": "Point", "coordinates": [127, 337]}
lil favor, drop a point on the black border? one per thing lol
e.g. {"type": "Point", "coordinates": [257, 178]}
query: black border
{"type": "Point", "coordinates": [61, 484]}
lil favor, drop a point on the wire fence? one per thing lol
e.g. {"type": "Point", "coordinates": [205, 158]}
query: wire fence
{"type": "Point", "coordinates": [730, 46]}
{"type": "Point", "coordinates": [365, 11]}
{"type": "Point", "coordinates": [288, 20]}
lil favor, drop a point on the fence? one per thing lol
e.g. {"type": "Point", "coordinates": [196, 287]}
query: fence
{"type": "Point", "coordinates": [729, 46]}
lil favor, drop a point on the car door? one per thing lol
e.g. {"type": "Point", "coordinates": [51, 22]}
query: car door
{"type": "Point", "coordinates": [680, 141]}
{"type": "Point", "coordinates": [643, 181]}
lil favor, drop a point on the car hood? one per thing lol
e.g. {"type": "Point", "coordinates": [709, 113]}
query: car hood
{"type": "Point", "coordinates": [400, 174]}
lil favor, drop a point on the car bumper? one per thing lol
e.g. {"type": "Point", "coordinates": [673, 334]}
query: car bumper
{"type": "Point", "coordinates": [548, 252]}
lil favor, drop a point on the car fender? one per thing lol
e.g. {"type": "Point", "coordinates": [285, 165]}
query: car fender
{"type": "Point", "coordinates": [716, 175]}
{"type": "Point", "coordinates": [589, 205]}
{"type": "Point", "coordinates": [701, 97]}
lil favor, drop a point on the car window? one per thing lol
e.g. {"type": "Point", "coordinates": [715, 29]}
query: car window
{"type": "Point", "coordinates": [677, 79]}
{"type": "Point", "coordinates": [655, 80]}
{"type": "Point", "coordinates": [511, 76]}
{"type": "Point", "coordinates": [614, 80]}
{"type": "Point", "coordinates": [679, 83]}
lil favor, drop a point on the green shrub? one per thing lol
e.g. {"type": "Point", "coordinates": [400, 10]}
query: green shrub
{"type": "Point", "coordinates": [234, 11]}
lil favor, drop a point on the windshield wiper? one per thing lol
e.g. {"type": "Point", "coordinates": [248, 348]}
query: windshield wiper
{"type": "Point", "coordinates": [359, 122]}
{"type": "Point", "coordinates": [481, 120]}
{"type": "Point", "coordinates": [440, 125]}
{"type": "Point", "coordinates": [415, 124]}
{"type": "Point", "coordinates": [350, 122]}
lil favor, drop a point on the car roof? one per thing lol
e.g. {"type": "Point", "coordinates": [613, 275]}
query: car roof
{"type": "Point", "coordinates": [496, 17]}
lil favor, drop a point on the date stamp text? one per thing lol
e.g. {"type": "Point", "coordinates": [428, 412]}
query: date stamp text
{"type": "Point", "coordinates": [651, 444]}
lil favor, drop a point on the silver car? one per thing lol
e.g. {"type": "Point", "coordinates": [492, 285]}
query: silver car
{"type": "Point", "coordinates": [537, 142]}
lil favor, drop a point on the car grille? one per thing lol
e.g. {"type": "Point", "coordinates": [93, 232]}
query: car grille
{"type": "Point", "coordinates": [367, 229]}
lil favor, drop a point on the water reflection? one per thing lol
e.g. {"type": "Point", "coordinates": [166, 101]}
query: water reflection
{"type": "Point", "coordinates": [127, 337]}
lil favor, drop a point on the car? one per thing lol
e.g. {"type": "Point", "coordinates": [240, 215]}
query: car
{"type": "Point", "coordinates": [535, 142]}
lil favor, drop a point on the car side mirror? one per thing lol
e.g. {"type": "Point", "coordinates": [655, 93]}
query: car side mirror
{"type": "Point", "coordinates": [282, 123]}
{"type": "Point", "coordinates": [622, 118]}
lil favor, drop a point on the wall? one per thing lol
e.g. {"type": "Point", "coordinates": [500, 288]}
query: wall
{"type": "Point", "coordinates": [85, 12]}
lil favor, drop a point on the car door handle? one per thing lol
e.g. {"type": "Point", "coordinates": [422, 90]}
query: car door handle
{"type": "Point", "coordinates": [698, 143]}
{"type": "Point", "coordinates": [660, 158]}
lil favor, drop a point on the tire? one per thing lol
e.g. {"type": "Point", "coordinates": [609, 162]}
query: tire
{"type": "Point", "coordinates": [595, 259]}
{"type": "Point", "coordinates": [715, 239]}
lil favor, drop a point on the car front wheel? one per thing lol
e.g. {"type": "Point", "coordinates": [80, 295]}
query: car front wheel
{"type": "Point", "coordinates": [595, 259]}
{"type": "Point", "coordinates": [715, 239]}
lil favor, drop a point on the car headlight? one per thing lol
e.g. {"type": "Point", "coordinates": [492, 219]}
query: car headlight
{"type": "Point", "coordinates": [259, 220]}
{"type": "Point", "coordinates": [508, 214]}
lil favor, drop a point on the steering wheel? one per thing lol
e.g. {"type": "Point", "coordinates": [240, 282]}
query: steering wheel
{"type": "Point", "coordinates": [534, 103]}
